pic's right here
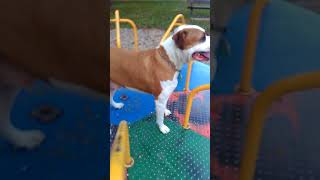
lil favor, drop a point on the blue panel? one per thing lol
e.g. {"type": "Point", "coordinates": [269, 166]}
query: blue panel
{"type": "Point", "coordinates": [288, 44]}
{"type": "Point", "coordinates": [136, 106]}
{"type": "Point", "coordinates": [228, 67]}
{"type": "Point", "coordinates": [200, 75]}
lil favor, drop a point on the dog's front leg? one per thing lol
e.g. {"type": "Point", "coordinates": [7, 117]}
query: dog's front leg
{"type": "Point", "coordinates": [161, 102]}
{"type": "Point", "coordinates": [19, 138]}
{"type": "Point", "coordinates": [160, 109]}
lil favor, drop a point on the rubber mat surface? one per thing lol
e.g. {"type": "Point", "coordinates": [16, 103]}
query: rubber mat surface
{"type": "Point", "coordinates": [199, 117]}
{"type": "Point", "coordinates": [180, 154]}
{"type": "Point", "coordinates": [289, 146]}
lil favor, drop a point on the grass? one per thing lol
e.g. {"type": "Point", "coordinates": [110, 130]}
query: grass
{"type": "Point", "coordinates": [156, 13]}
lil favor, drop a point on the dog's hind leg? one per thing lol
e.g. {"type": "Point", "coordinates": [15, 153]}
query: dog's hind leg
{"type": "Point", "coordinates": [19, 138]}
{"type": "Point", "coordinates": [113, 88]}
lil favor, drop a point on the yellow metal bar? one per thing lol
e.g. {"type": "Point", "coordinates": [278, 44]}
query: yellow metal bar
{"type": "Point", "coordinates": [134, 29]}
{"type": "Point", "coordinates": [187, 86]}
{"type": "Point", "coordinates": [189, 103]}
{"type": "Point", "coordinates": [250, 48]}
{"type": "Point", "coordinates": [117, 18]}
{"type": "Point", "coordinates": [259, 112]}
{"type": "Point", "coordinates": [120, 158]}
{"type": "Point", "coordinates": [179, 24]}
{"type": "Point", "coordinates": [172, 25]}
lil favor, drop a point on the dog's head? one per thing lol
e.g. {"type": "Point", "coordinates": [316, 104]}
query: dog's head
{"type": "Point", "coordinates": [188, 42]}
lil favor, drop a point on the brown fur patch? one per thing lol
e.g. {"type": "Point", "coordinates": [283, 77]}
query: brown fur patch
{"type": "Point", "coordinates": [188, 37]}
{"type": "Point", "coordinates": [140, 70]}
{"type": "Point", "coordinates": [61, 39]}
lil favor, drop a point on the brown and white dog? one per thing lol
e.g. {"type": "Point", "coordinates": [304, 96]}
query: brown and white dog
{"type": "Point", "coordinates": [60, 40]}
{"type": "Point", "coordinates": [156, 71]}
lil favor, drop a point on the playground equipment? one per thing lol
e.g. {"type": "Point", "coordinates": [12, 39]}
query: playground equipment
{"type": "Point", "coordinates": [120, 153]}
{"type": "Point", "coordinates": [117, 21]}
{"type": "Point", "coordinates": [75, 132]}
{"type": "Point", "coordinates": [262, 129]}
{"type": "Point", "coordinates": [182, 153]}
{"type": "Point", "coordinates": [250, 51]}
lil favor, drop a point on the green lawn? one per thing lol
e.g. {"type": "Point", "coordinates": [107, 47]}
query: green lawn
{"type": "Point", "coordinates": [156, 13]}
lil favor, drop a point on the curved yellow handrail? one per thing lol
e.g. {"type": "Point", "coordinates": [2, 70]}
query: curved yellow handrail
{"type": "Point", "coordinates": [117, 20]}
{"type": "Point", "coordinates": [189, 103]}
{"type": "Point", "coordinates": [172, 25]}
{"type": "Point", "coordinates": [250, 48]}
{"type": "Point", "coordinates": [258, 115]}
{"type": "Point", "coordinates": [134, 29]}
{"type": "Point", "coordinates": [120, 158]}
{"type": "Point", "coordinates": [187, 88]}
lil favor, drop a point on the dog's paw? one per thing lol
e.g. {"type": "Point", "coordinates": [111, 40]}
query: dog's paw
{"type": "Point", "coordinates": [28, 139]}
{"type": "Point", "coordinates": [118, 105]}
{"type": "Point", "coordinates": [167, 112]}
{"type": "Point", "coordinates": [164, 129]}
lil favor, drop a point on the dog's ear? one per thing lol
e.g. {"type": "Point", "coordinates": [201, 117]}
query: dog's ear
{"type": "Point", "coordinates": [179, 39]}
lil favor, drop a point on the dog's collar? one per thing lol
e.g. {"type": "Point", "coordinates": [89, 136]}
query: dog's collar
{"type": "Point", "coordinates": [161, 51]}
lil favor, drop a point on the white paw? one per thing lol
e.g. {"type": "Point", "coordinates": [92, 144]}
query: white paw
{"type": "Point", "coordinates": [167, 112]}
{"type": "Point", "coordinates": [28, 139]}
{"type": "Point", "coordinates": [118, 105]}
{"type": "Point", "coordinates": [164, 129]}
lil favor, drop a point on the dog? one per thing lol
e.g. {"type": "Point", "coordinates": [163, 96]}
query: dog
{"type": "Point", "coordinates": [61, 42]}
{"type": "Point", "coordinates": [155, 71]}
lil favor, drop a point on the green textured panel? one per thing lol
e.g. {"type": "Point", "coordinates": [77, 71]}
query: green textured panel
{"type": "Point", "coordinates": [180, 154]}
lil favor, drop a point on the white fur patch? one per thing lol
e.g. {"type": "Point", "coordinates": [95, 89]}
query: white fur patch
{"type": "Point", "coordinates": [168, 86]}
{"type": "Point", "coordinates": [161, 104]}
{"type": "Point", "coordinates": [167, 112]}
{"type": "Point", "coordinates": [176, 55]}
{"type": "Point", "coordinates": [188, 26]}
{"type": "Point", "coordinates": [202, 47]}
